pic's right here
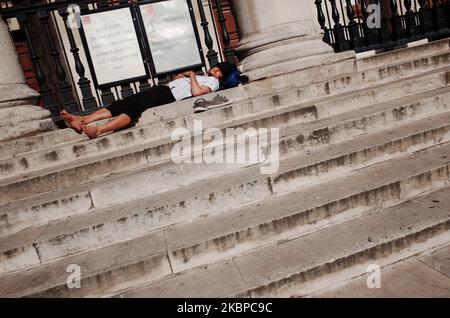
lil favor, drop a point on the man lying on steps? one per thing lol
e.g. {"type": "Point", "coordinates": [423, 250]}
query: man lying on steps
{"type": "Point", "coordinates": [128, 110]}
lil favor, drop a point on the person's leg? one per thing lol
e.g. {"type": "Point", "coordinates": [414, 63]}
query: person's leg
{"type": "Point", "coordinates": [96, 116]}
{"type": "Point", "coordinates": [119, 122]}
{"type": "Point", "coordinates": [75, 121]}
{"type": "Point", "coordinates": [127, 110]}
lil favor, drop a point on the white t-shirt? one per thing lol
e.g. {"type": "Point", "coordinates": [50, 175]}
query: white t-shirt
{"type": "Point", "coordinates": [181, 88]}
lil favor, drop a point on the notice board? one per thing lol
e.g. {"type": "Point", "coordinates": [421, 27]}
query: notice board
{"type": "Point", "coordinates": [113, 49]}
{"type": "Point", "coordinates": [171, 35]}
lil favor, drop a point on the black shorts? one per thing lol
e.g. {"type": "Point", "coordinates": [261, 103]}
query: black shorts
{"type": "Point", "coordinates": [134, 105]}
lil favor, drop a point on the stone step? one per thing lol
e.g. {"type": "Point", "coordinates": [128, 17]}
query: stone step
{"type": "Point", "coordinates": [322, 163]}
{"type": "Point", "coordinates": [343, 134]}
{"type": "Point", "coordinates": [280, 270]}
{"type": "Point", "coordinates": [396, 180]}
{"type": "Point", "coordinates": [128, 143]}
{"type": "Point", "coordinates": [307, 136]}
{"type": "Point", "coordinates": [405, 54]}
{"type": "Point", "coordinates": [143, 259]}
{"type": "Point", "coordinates": [221, 236]}
{"type": "Point", "coordinates": [340, 83]}
{"type": "Point", "coordinates": [317, 61]}
{"type": "Point", "coordinates": [373, 237]}
{"type": "Point", "coordinates": [267, 107]}
{"type": "Point", "coordinates": [95, 229]}
{"type": "Point", "coordinates": [12, 116]}
{"type": "Point", "coordinates": [32, 127]}
{"type": "Point", "coordinates": [301, 170]}
{"type": "Point", "coordinates": [350, 76]}
{"type": "Point", "coordinates": [157, 180]}
{"type": "Point", "coordinates": [37, 142]}
{"type": "Point", "coordinates": [154, 116]}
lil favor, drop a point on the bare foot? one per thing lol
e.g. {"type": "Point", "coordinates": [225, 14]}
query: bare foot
{"type": "Point", "coordinates": [90, 131]}
{"type": "Point", "coordinates": [76, 125]}
{"type": "Point", "coordinates": [69, 117]}
{"type": "Point", "coordinates": [72, 121]}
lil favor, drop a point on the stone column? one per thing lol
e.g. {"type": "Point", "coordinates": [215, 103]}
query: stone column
{"type": "Point", "coordinates": [279, 36]}
{"type": "Point", "coordinates": [18, 114]}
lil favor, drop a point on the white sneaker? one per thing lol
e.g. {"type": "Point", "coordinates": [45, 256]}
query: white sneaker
{"type": "Point", "coordinates": [219, 100]}
{"type": "Point", "coordinates": [201, 104]}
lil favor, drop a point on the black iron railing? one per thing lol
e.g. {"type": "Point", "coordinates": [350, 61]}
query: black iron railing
{"type": "Point", "coordinates": [363, 25]}
{"type": "Point", "coordinates": [68, 85]}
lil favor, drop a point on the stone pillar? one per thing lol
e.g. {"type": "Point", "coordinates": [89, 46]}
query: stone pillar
{"type": "Point", "coordinates": [279, 36]}
{"type": "Point", "coordinates": [18, 114]}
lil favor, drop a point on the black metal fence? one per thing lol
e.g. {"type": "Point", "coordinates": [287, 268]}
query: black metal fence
{"type": "Point", "coordinates": [364, 25]}
{"type": "Point", "coordinates": [69, 84]}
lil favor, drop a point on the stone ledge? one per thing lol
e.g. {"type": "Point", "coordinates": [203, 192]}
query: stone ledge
{"type": "Point", "coordinates": [16, 93]}
{"type": "Point", "coordinates": [29, 128]}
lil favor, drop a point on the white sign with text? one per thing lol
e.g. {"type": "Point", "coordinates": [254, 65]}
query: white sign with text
{"type": "Point", "coordinates": [113, 45]}
{"type": "Point", "coordinates": [171, 35]}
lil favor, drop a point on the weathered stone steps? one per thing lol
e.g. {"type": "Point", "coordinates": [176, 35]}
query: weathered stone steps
{"type": "Point", "coordinates": [322, 164]}
{"type": "Point", "coordinates": [404, 54]}
{"type": "Point", "coordinates": [285, 105]}
{"type": "Point", "coordinates": [220, 236]}
{"type": "Point", "coordinates": [156, 180]}
{"type": "Point", "coordinates": [407, 177]}
{"type": "Point", "coordinates": [55, 178]}
{"type": "Point", "coordinates": [344, 140]}
{"type": "Point", "coordinates": [342, 83]}
{"type": "Point", "coordinates": [141, 259]}
{"type": "Point", "coordinates": [278, 271]}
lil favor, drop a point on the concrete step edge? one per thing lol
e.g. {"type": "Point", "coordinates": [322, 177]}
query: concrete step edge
{"type": "Point", "coordinates": [185, 114]}
{"type": "Point", "coordinates": [428, 231]}
{"type": "Point", "coordinates": [331, 161]}
{"type": "Point", "coordinates": [332, 262]}
{"type": "Point", "coordinates": [438, 181]}
{"type": "Point", "coordinates": [100, 143]}
{"type": "Point", "coordinates": [294, 134]}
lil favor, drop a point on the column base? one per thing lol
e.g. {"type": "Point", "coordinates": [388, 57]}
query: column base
{"type": "Point", "coordinates": [19, 117]}
{"type": "Point", "coordinates": [17, 94]}
{"type": "Point", "coordinates": [268, 54]}
{"type": "Point", "coordinates": [276, 58]}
